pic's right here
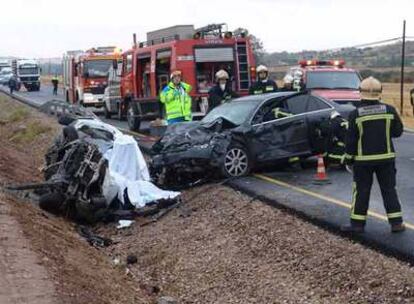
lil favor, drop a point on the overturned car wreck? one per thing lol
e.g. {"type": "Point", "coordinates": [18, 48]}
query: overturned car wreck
{"type": "Point", "coordinates": [244, 133]}
{"type": "Point", "coordinates": [92, 171]}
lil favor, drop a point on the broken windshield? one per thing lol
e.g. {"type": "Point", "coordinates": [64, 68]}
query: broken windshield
{"type": "Point", "coordinates": [236, 112]}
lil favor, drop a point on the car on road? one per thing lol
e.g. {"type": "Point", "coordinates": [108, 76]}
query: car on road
{"type": "Point", "coordinates": [246, 132]}
{"type": "Point", "coordinates": [5, 75]}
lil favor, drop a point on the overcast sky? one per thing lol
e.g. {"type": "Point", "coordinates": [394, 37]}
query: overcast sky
{"type": "Point", "coordinates": [47, 28]}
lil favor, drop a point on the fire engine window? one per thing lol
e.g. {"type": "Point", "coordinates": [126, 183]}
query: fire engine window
{"type": "Point", "coordinates": [206, 71]}
{"type": "Point", "coordinates": [144, 76]}
{"type": "Point", "coordinates": [162, 69]}
{"type": "Point", "coordinates": [128, 66]}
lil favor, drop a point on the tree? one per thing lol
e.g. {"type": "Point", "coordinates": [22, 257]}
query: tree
{"type": "Point", "coordinates": [257, 44]}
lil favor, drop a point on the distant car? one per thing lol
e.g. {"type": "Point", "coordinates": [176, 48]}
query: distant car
{"type": "Point", "coordinates": [5, 75]}
{"type": "Point", "coordinates": [243, 133]}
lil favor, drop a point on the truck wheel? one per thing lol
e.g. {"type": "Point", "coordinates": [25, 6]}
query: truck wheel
{"type": "Point", "coordinates": [120, 114]}
{"type": "Point", "coordinates": [237, 161]}
{"type": "Point", "coordinates": [134, 122]}
{"type": "Point", "coordinates": [107, 114]}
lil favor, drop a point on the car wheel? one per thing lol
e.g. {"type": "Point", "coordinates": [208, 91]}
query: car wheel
{"type": "Point", "coordinates": [236, 162]}
{"type": "Point", "coordinates": [134, 122]}
{"type": "Point", "coordinates": [107, 114]}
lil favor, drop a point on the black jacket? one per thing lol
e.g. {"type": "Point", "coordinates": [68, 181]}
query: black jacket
{"type": "Point", "coordinates": [216, 96]}
{"type": "Point", "coordinates": [260, 87]}
{"type": "Point", "coordinates": [371, 129]}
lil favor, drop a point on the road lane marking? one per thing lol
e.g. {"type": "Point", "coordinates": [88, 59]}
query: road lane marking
{"type": "Point", "coordinates": [322, 197]}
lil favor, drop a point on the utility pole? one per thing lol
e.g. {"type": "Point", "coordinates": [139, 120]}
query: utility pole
{"type": "Point", "coordinates": [402, 71]}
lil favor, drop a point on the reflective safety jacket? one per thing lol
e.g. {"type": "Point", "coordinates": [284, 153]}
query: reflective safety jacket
{"type": "Point", "coordinates": [261, 87]}
{"type": "Point", "coordinates": [371, 129]}
{"type": "Point", "coordinates": [177, 100]}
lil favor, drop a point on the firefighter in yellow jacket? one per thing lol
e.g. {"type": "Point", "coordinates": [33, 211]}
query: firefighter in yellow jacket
{"type": "Point", "coordinates": [175, 96]}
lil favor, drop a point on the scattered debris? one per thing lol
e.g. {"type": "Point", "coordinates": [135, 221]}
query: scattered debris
{"type": "Point", "coordinates": [167, 300]}
{"type": "Point", "coordinates": [93, 239]}
{"type": "Point", "coordinates": [131, 259]}
{"type": "Point", "coordinates": [124, 224]}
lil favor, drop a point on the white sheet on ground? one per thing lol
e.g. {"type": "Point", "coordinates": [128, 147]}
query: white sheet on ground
{"type": "Point", "coordinates": [127, 170]}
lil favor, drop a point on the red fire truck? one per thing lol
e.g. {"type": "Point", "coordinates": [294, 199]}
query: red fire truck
{"type": "Point", "coordinates": [327, 78]}
{"type": "Point", "coordinates": [85, 74]}
{"type": "Point", "coordinates": [197, 53]}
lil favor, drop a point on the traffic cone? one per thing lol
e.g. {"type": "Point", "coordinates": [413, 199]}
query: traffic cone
{"type": "Point", "coordinates": [321, 177]}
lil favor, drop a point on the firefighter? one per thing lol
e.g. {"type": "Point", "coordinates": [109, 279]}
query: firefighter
{"type": "Point", "coordinates": [369, 147]}
{"type": "Point", "coordinates": [221, 92]}
{"type": "Point", "coordinates": [264, 84]}
{"type": "Point", "coordinates": [175, 96]}
{"type": "Point", "coordinates": [335, 150]}
{"type": "Point", "coordinates": [55, 83]}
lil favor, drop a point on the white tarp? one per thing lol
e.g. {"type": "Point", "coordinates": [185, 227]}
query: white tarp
{"type": "Point", "coordinates": [127, 169]}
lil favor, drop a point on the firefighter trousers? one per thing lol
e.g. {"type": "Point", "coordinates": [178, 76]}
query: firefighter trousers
{"type": "Point", "coordinates": [363, 179]}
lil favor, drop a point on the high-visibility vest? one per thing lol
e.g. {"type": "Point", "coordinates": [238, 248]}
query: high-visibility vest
{"type": "Point", "coordinates": [177, 100]}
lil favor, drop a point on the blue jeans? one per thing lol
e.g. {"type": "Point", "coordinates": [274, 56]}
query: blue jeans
{"type": "Point", "coordinates": [175, 120]}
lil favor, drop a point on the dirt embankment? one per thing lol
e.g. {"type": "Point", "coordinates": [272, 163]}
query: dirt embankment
{"type": "Point", "coordinates": [219, 246]}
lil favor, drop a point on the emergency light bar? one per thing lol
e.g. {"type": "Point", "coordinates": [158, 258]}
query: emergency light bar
{"type": "Point", "coordinates": [314, 62]}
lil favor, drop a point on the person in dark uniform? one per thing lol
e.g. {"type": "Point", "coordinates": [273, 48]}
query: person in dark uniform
{"type": "Point", "coordinates": [221, 92]}
{"type": "Point", "coordinates": [264, 84]}
{"type": "Point", "coordinates": [55, 83]}
{"type": "Point", "coordinates": [12, 84]}
{"type": "Point", "coordinates": [336, 134]}
{"type": "Point", "coordinates": [369, 147]}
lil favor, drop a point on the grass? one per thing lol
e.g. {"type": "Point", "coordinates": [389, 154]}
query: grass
{"type": "Point", "coordinates": [391, 95]}
{"type": "Point", "coordinates": [30, 132]}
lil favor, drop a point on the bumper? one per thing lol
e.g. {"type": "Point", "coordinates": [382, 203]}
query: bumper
{"type": "Point", "coordinates": [91, 100]}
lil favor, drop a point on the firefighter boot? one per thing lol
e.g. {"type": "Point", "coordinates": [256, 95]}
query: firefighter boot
{"type": "Point", "coordinates": [395, 228]}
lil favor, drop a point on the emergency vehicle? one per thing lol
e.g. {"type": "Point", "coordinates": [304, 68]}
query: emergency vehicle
{"type": "Point", "coordinates": [327, 78]}
{"type": "Point", "coordinates": [85, 74]}
{"type": "Point", "coordinates": [197, 53]}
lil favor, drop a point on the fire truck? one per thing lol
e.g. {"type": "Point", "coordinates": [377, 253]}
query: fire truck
{"type": "Point", "coordinates": [197, 53]}
{"type": "Point", "coordinates": [327, 78]}
{"type": "Point", "coordinates": [85, 74]}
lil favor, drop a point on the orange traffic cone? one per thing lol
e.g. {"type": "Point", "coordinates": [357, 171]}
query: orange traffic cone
{"type": "Point", "coordinates": [321, 177]}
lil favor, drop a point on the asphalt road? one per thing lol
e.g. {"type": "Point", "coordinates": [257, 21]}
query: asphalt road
{"type": "Point", "coordinates": [328, 204]}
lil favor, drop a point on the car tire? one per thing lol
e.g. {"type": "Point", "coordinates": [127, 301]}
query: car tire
{"type": "Point", "coordinates": [134, 122]}
{"type": "Point", "coordinates": [237, 161]}
{"type": "Point", "coordinates": [107, 114]}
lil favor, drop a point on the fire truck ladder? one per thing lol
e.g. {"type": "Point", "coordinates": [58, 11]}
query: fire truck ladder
{"type": "Point", "coordinates": [242, 61]}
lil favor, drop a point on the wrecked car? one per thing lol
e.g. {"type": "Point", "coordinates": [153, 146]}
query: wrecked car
{"type": "Point", "coordinates": [244, 133]}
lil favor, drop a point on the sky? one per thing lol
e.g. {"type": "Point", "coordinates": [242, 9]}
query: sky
{"type": "Point", "coordinates": [47, 28]}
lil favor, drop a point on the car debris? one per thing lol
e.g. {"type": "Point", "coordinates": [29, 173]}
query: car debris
{"type": "Point", "coordinates": [124, 224]}
{"type": "Point", "coordinates": [92, 171]}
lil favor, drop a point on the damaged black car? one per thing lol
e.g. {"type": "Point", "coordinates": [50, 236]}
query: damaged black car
{"type": "Point", "coordinates": [247, 132]}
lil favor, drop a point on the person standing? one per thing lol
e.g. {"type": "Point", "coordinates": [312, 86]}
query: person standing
{"type": "Point", "coordinates": [12, 84]}
{"type": "Point", "coordinates": [369, 147]}
{"type": "Point", "coordinates": [221, 92]}
{"type": "Point", "coordinates": [264, 84]}
{"type": "Point", "coordinates": [175, 96]}
{"type": "Point", "coordinates": [55, 84]}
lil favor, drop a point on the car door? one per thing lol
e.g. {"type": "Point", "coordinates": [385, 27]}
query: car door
{"type": "Point", "coordinates": [280, 138]}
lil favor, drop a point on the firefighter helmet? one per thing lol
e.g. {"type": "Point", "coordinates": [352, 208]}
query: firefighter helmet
{"type": "Point", "coordinates": [175, 73]}
{"type": "Point", "coordinates": [222, 74]}
{"type": "Point", "coordinates": [370, 88]}
{"type": "Point", "coordinates": [288, 79]}
{"type": "Point", "coordinates": [262, 68]}
{"type": "Point", "coordinates": [335, 114]}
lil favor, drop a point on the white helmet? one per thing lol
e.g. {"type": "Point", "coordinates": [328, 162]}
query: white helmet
{"type": "Point", "coordinates": [288, 79]}
{"type": "Point", "coordinates": [262, 68]}
{"type": "Point", "coordinates": [222, 74]}
{"type": "Point", "coordinates": [335, 114]}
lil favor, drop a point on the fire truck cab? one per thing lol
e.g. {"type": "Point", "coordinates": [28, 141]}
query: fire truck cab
{"type": "Point", "coordinates": [327, 78]}
{"type": "Point", "coordinates": [85, 74]}
{"type": "Point", "coordinates": [197, 53]}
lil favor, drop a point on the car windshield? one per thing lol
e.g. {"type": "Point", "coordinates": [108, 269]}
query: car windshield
{"type": "Point", "coordinates": [97, 68]}
{"type": "Point", "coordinates": [332, 80]}
{"type": "Point", "coordinates": [236, 112]}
